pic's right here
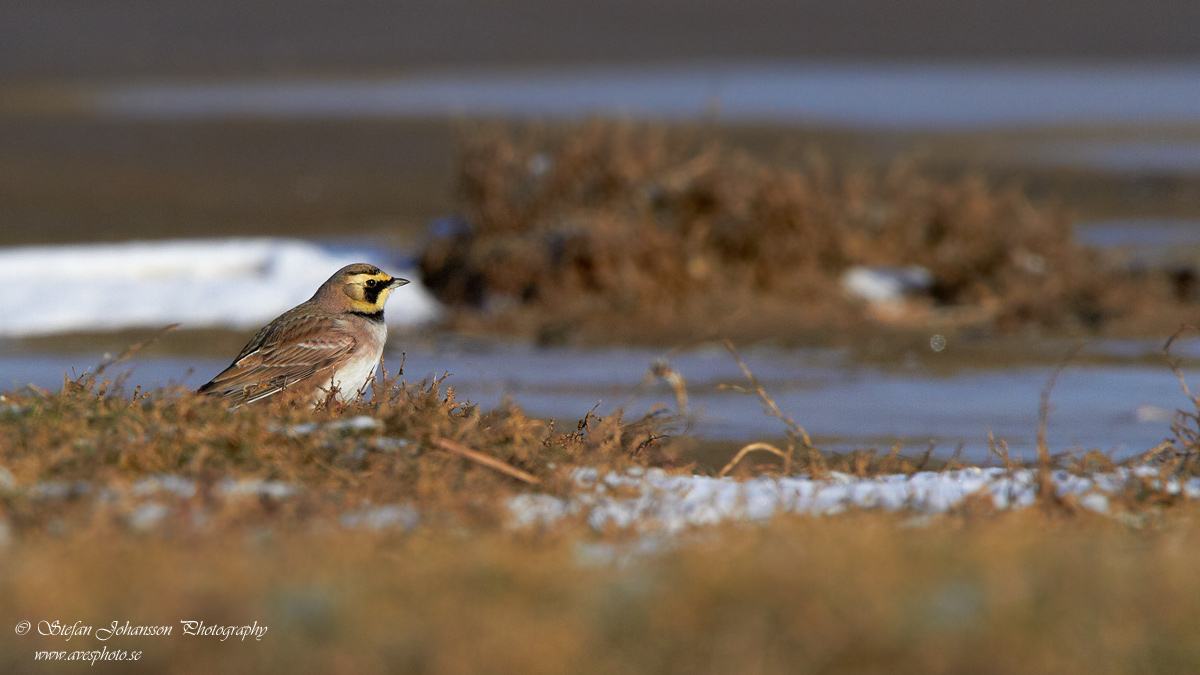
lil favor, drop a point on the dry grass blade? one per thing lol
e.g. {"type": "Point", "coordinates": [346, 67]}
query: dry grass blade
{"type": "Point", "coordinates": [662, 370]}
{"type": "Point", "coordinates": [769, 403]}
{"type": "Point", "coordinates": [486, 460]}
{"type": "Point", "coordinates": [133, 349]}
{"type": "Point", "coordinates": [1187, 436]}
{"type": "Point", "coordinates": [1147, 456]}
{"type": "Point", "coordinates": [1174, 364]}
{"type": "Point", "coordinates": [955, 461]}
{"type": "Point", "coordinates": [1000, 450]}
{"type": "Point", "coordinates": [925, 456]}
{"type": "Point", "coordinates": [1046, 488]}
{"type": "Point", "coordinates": [754, 447]}
{"type": "Point", "coordinates": [1044, 402]}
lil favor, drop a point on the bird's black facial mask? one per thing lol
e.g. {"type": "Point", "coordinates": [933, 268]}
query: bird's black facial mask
{"type": "Point", "coordinates": [372, 290]}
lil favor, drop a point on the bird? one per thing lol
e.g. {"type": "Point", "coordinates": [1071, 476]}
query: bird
{"type": "Point", "coordinates": [329, 343]}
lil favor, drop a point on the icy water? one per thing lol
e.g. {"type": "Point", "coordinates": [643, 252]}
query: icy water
{"type": "Point", "coordinates": [1156, 157]}
{"type": "Point", "coordinates": [1147, 242]}
{"type": "Point", "coordinates": [1123, 409]}
{"type": "Point", "coordinates": [885, 95]}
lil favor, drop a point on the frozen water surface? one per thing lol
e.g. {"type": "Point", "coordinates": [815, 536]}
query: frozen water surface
{"type": "Point", "coordinates": [1124, 409]}
{"type": "Point", "coordinates": [888, 95]}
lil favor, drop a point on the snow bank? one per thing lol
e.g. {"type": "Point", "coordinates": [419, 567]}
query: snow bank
{"type": "Point", "coordinates": [654, 504]}
{"type": "Point", "coordinates": [232, 283]}
{"type": "Point", "coordinates": [886, 284]}
{"type": "Point", "coordinates": [673, 503]}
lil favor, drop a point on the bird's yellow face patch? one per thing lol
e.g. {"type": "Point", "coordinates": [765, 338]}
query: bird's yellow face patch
{"type": "Point", "coordinates": [368, 291]}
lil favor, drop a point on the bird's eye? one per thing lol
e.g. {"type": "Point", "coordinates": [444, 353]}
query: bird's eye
{"type": "Point", "coordinates": [372, 283]}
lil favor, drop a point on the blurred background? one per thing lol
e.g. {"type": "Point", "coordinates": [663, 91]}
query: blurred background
{"type": "Point", "coordinates": [211, 163]}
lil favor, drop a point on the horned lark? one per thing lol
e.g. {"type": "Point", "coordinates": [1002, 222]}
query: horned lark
{"type": "Point", "coordinates": [333, 341]}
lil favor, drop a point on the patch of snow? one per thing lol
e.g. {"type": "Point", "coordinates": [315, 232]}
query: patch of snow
{"type": "Point", "coordinates": [886, 284]}
{"type": "Point", "coordinates": [389, 444]}
{"type": "Point", "coordinates": [528, 510]}
{"type": "Point", "coordinates": [176, 485]}
{"type": "Point", "coordinates": [359, 423]}
{"type": "Point", "coordinates": [147, 516]}
{"type": "Point", "coordinates": [232, 283]}
{"type": "Point", "coordinates": [256, 488]}
{"type": "Point", "coordinates": [600, 554]}
{"type": "Point", "coordinates": [673, 503]}
{"type": "Point", "coordinates": [1095, 502]}
{"type": "Point", "coordinates": [60, 490]}
{"type": "Point", "coordinates": [390, 517]}
{"type": "Point", "coordinates": [1151, 413]}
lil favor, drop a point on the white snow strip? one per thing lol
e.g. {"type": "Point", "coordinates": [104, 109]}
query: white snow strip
{"type": "Point", "coordinates": [360, 423]}
{"type": "Point", "coordinates": [673, 503]}
{"type": "Point", "coordinates": [202, 283]}
{"type": "Point", "coordinates": [886, 284]}
{"type": "Point", "coordinates": [663, 505]}
{"type": "Point", "coordinates": [148, 516]}
{"type": "Point", "coordinates": [176, 485]}
{"type": "Point", "coordinates": [255, 487]}
{"type": "Point", "coordinates": [389, 517]}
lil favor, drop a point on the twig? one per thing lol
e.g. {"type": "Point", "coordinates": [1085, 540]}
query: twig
{"type": "Point", "coordinates": [650, 439]}
{"type": "Point", "coordinates": [1186, 438]}
{"type": "Point", "coordinates": [1044, 402]}
{"type": "Point", "coordinates": [1045, 482]}
{"type": "Point", "coordinates": [764, 447]}
{"type": "Point", "coordinates": [133, 349]}
{"type": "Point", "coordinates": [1150, 454]}
{"type": "Point", "coordinates": [1174, 364]}
{"type": "Point", "coordinates": [1000, 451]}
{"type": "Point", "coordinates": [888, 463]}
{"type": "Point", "coordinates": [953, 463]}
{"type": "Point", "coordinates": [925, 457]}
{"type": "Point", "coordinates": [767, 402]}
{"type": "Point", "coordinates": [663, 370]}
{"type": "Point", "coordinates": [583, 423]}
{"type": "Point", "coordinates": [486, 460]}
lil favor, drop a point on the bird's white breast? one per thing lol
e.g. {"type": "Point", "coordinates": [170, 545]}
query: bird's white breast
{"type": "Point", "coordinates": [352, 376]}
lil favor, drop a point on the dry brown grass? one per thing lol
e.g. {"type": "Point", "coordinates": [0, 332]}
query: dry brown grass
{"type": "Point", "coordinates": [617, 231]}
{"type": "Point", "coordinates": [862, 593]}
{"type": "Point", "coordinates": [86, 433]}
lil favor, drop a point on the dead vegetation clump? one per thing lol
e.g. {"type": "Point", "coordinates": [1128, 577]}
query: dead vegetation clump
{"type": "Point", "coordinates": [640, 232]}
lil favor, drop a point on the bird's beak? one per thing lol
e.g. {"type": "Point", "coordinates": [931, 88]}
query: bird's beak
{"type": "Point", "coordinates": [397, 282]}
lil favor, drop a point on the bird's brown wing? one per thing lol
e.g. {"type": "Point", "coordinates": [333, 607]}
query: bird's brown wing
{"type": "Point", "coordinates": [292, 354]}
